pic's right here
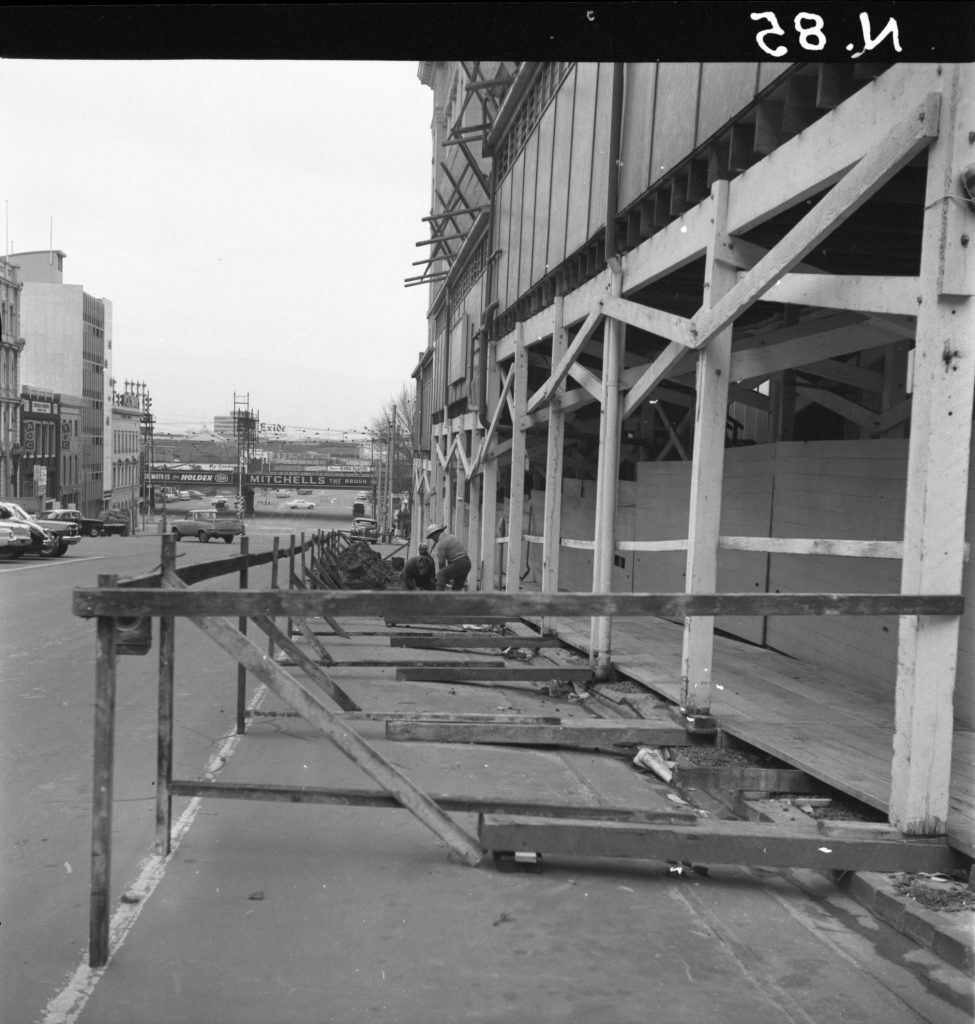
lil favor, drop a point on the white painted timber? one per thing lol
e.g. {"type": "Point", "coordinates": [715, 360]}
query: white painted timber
{"type": "Point", "coordinates": [866, 294]}
{"type": "Point", "coordinates": [516, 526]}
{"type": "Point", "coordinates": [937, 477]}
{"type": "Point", "coordinates": [707, 470]}
{"type": "Point", "coordinates": [898, 146]}
{"type": "Point", "coordinates": [561, 369]}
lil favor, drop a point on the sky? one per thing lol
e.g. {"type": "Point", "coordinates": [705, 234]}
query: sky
{"type": "Point", "coordinates": [252, 223]}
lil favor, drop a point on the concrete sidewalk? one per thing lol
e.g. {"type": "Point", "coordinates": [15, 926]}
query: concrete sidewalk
{"type": "Point", "coordinates": [270, 912]}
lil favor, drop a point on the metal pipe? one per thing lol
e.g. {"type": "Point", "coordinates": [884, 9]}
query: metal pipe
{"type": "Point", "coordinates": [440, 238]}
{"type": "Point", "coordinates": [612, 188]}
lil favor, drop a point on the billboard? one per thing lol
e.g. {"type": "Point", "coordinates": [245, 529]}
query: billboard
{"type": "Point", "coordinates": [356, 480]}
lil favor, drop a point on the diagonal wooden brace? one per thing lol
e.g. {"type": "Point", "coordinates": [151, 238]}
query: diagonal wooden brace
{"type": "Point", "coordinates": [311, 708]}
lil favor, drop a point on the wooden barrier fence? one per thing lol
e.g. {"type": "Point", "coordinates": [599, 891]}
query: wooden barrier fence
{"type": "Point", "coordinates": [165, 595]}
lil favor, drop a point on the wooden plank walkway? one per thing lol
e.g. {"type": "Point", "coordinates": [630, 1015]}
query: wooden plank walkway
{"type": "Point", "coordinates": [836, 729]}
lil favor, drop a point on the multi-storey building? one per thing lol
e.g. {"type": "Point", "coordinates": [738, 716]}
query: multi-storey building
{"type": "Point", "coordinates": [693, 327]}
{"type": "Point", "coordinates": [68, 334]}
{"type": "Point", "coordinates": [126, 470]}
{"type": "Point", "coordinates": [11, 346]}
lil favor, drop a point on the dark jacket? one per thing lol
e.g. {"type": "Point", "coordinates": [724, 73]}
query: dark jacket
{"type": "Point", "coordinates": [420, 573]}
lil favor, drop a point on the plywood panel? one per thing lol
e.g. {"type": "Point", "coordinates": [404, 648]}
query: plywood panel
{"type": "Point", "coordinates": [517, 226]}
{"type": "Point", "coordinates": [849, 489]}
{"type": "Point", "coordinates": [675, 117]}
{"type": "Point", "coordinates": [725, 89]}
{"type": "Point", "coordinates": [600, 149]}
{"type": "Point", "coordinates": [502, 237]}
{"type": "Point", "coordinates": [528, 225]}
{"type": "Point", "coordinates": [637, 131]}
{"type": "Point", "coordinates": [578, 523]}
{"type": "Point", "coordinates": [561, 169]}
{"type": "Point", "coordinates": [580, 171]}
{"type": "Point", "coordinates": [543, 195]}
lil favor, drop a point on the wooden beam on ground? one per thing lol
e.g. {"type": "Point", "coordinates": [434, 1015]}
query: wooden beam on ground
{"type": "Point", "coordinates": [523, 673]}
{"type": "Point", "coordinates": [447, 802]}
{"type": "Point", "coordinates": [293, 693]}
{"type": "Point", "coordinates": [447, 643]}
{"type": "Point", "coordinates": [737, 777]}
{"type": "Point", "coordinates": [837, 846]}
{"type": "Point", "coordinates": [447, 620]}
{"type": "Point", "coordinates": [586, 734]}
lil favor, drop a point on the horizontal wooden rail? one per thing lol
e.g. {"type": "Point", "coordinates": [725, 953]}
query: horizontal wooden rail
{"type": "Point", "coordinates": [211, 570]}
{"type": "Point", "coordinates": [116, 602]}
{"type": "Point", "coordinates": [468, 804]}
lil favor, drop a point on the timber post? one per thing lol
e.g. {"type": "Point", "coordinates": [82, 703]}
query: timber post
{"type": "Point", "coordinates": [102, 785]}
{"type": "Point", "coordinates": [489, 485]}
{"type": "Point", "coordinates": [164, 731]}
{"type": "Point", "coordinates": [242, 626]}
{"type": "Point", "coordinates": [707, 469]}
{"type": "Point", "coordinates": [937, 475]}
{"type": "Point", "coordinates": [610, 426]}
{"type": "Point", "coordinates": [554, 461]}
{"type": "Point", "coordinates": [516, 503]}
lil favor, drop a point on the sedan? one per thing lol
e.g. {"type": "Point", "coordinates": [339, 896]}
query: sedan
{"type": "Point", "coordinates": [301, 503]}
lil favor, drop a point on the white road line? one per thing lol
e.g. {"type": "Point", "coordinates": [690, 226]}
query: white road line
{"type": "Point", "coordinates": [68, 1004]}
{"type": "Point", "coordinates": [50, 563]}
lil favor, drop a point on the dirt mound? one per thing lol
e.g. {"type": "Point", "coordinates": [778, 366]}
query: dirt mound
{"type": "Point", "coordinates": [364, 568]}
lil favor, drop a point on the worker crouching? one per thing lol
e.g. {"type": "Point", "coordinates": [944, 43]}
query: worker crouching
{"type": "Point", "coordinates": [420, 572]}
{"type": "Point", "coordinates": [454, 564]}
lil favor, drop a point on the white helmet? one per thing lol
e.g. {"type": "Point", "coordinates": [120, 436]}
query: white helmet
{"type": "Point", "coordinates": [434, 529]}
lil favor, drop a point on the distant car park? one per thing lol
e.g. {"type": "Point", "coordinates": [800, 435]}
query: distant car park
{"type": "Point", "coordinates": [301, 503]}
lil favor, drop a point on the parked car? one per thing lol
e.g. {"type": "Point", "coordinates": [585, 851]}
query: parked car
{"type": "Point", "coordinates": [365, 528]}
{"type": "Point", "coordinates": [205, 523]}
{"type": "Point", "coordinates": [282, 493]}
{"type": "Point", "coordinates": [66, 534]}
{"type": "Point", "coordinates": [43, 542]}
{"type": "Point", "coordinates": [301, 503]}
{"type": "Point", "coordinates": [15, 538]}
{"type": "Point", "coordinates": [89, 527]}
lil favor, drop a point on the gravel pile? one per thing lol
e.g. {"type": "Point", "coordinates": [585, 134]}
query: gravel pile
{"type": "Point", "coordinates": [364, 568]}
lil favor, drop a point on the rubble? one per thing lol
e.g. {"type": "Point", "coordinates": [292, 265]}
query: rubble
{"type": "Point", "coordinates": [364, 568]}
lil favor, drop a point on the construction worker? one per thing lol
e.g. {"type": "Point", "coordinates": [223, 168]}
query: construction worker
{"type": "Point", "coordinates": [420, 572]}
{"type": "Point", "coordinates": [452, 558]}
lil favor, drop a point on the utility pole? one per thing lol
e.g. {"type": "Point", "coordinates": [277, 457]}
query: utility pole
{"type": "Point", "coordinates": [148, 423]}
{"type": "Point", "coordinates": [245, 431]}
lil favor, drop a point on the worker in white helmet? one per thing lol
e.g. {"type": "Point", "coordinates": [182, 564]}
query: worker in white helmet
{"type": "Point", "coordinates": [453, 561]}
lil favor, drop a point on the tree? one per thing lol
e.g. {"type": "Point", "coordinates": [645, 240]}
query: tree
{"type": "Point", "coordinates": [397, 422]}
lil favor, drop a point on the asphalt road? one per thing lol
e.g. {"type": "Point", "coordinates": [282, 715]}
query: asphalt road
{"type": "Point", "coordinates": [46, 727]}
{"type": "Point", "coordinates": [360, 915]}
